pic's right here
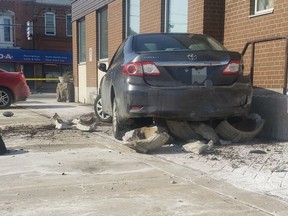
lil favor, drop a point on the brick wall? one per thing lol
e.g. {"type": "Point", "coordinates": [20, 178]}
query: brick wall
{"type": "Point", "coordinates": [91, 49]}
{"type": "Point", "coordinates": [195, 16]}
{"type": "Point", "coordinates": [214, 19]}
{"type": "Point", "coordinates": [241, 27]}
{"type": "Point", "coordinates": [207, 17]}
{"type": "Point", "coordinates": [115, 26]}
{"type": "Point", "coordinates": [151, 15]}
{"type": "Point", "coordinates": [60, 41]}
{"type": "Point", "coordinates": [25, 11]}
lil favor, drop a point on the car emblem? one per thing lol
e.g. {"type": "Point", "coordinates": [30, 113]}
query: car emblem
{"type": "Point", "coordinates": [192, 57]}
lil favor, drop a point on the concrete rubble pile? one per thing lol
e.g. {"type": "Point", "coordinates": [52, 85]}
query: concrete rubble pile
{"type": "Point", "coordinates": [86, 123]}
{"type": "Point", "coordinates": [200, 137]}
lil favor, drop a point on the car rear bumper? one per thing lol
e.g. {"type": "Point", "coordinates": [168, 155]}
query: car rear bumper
{"type": "Point", "coordinates": [189, 103]}
{"type": "Point", "coordinates": [21, 93]}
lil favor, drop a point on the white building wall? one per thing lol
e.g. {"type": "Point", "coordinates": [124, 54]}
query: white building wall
{"type": "Point", "coordinates": [82, 90]}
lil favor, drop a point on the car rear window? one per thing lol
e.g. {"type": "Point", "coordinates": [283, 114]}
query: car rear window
{"type": "Point", "coordinates": [173, 42]}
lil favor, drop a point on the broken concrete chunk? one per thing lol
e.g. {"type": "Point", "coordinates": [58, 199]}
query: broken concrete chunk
{"type": "Point", "coordinates": [55, 118]}
{"type": "Point", "coordinates": [145, 139]}
{"type": "Point", "coordinates": [181, 129]}
{"type": "Point", "coordinates": [87, 119]}
{"type": "Point", "coordinates": [198, 147]}
{"type": "Point", "coordinates": [280, 168]}
{"type": "Point", "coordinates": [85, 123]}
{"type": "Point", "coordinates": [59, 124]}
{"type": "Point", "coordinates": [205, 131]}
{"type": "Point", "coordinates": [75, 121]}
{"type": "Point", "coordinates": [87, 128]}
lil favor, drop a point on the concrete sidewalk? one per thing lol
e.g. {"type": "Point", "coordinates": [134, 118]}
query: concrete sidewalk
{"type": "Point", "coordinates": [39, 108]}
{"type": "Point", "coordinates": [51, 172]}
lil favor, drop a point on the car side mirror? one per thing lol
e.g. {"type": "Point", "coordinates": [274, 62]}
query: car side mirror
{"type": "Point", "coordinates": [102, 67]}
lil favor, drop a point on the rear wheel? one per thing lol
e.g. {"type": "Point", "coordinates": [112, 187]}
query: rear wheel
{"type": "Point", "coordinates": [103, 117]}
{"type": "Point", "coordinates": [118, 129]}
{"type": "Point", "coordinates": [5, 98]}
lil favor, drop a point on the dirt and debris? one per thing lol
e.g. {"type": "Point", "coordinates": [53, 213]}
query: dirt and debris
{"type": "Point", "coordinates": [198, 147]}
{"type": "Point", "coordinates": [204, 135]}
{"type": "Point", "coordinates": [86, 122]}
{"type": "Point", "coordinates": [255, 164]}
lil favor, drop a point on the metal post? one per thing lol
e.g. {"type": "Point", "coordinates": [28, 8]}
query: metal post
{"type": "Point", "coordinates": [252, 62]}
{"type": "Point", "coordinates": [286, 69]}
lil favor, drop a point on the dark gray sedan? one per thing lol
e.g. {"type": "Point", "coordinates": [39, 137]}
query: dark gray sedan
{"type": "Point", "coordinates": [189, 77]}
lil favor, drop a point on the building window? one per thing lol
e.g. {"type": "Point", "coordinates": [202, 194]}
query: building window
{"type": "Point", "coordinates": [81, 41]}
{"type": "Point", "coordinates": [6, 31]}
{"type": "Point", "coordinates": [50, 24]}
{"type": "Point", "coordinates": [176, 15]}
{"type": "Point", "coordinates": [103, 34]}
{"type": "Point", "coordinates": [68, 25]}
{"type": "Point", "coordinates": [132, 17]}
{"type": "Point", "coordinates": [264, 6]}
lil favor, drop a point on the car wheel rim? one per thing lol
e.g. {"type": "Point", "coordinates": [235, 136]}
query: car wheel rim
{"type": "Point", "coordinates": [99, 110]}
{"type": "Point", "coordinates": [4, 98]}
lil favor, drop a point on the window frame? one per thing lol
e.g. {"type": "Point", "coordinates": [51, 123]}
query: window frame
{"type": "Point", "coordinates": [48, 27]}
{"type": "Point", "coordinates": [129, 16]}
{"type": "Point", "coordinates": [9, 27]}
{"type": "Point", "coordinates": [167, 17]}
{"type": "Point", "coordinates": [100, 34]}
{"type": "Point", "coordinates": [264, 11]}
{"type": "Point", "coordinates": [81, 28]}
{"type": "Point", "coordinates": [68, 26]}
{"type": "Point", "coordinates": [3, 28]}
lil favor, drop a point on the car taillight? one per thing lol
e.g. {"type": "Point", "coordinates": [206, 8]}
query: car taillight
{"type": "Point", "coordinates": [141, 69]}
{"type": "Point", "coordinates": [20, 76]}
{"type": "Point", "coordinates": [233, 67]}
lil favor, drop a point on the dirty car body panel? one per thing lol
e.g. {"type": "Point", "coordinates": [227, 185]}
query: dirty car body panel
{"type": "Point", "coordinates": [13, 87]}
{"type": "Point", "coordinates": [175, 76]}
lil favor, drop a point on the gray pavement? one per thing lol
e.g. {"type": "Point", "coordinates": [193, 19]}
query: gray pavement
{"type": "Point", "coordinates": [50, 172]}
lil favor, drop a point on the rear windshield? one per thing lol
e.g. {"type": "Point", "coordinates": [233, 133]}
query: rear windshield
{"type": "Point", "coordinates": [172, 42]}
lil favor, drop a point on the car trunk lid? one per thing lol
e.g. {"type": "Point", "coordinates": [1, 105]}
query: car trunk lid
{"type": "Point", "coordinates": [192, 68]}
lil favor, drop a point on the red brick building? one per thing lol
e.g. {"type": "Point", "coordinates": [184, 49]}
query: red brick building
{"type": "Point", "coordinates": [253, 20]}
{"type": "Point", "coordinates": [36, 37]}
{"type": "Point", "coordinates": [100, 26]}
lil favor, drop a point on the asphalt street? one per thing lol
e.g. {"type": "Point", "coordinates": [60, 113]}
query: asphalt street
{"type": "Point", "coordinates": [70, 172]}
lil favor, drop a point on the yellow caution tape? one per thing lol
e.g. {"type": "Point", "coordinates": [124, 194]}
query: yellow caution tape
{"type": "Point", "coordinates": [41, 79]}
